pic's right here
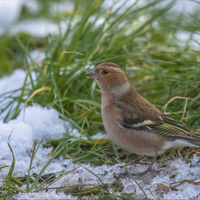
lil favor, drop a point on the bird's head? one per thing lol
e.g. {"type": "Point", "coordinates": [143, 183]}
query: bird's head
{"type": "Point", "coordinates": [110, 78]}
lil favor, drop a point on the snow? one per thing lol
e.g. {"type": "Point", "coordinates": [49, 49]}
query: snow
{"type": "Point", "coordinates": [183, 36]}
{"type": "Point", "coordinates": [38, 28]}
{"type": "Point", "coordinates": [11, 9]}
{"type": "Point", "coordinates": [35, 123]}
{"type": "Point", "coordinates": [173, 172]}
{"type": "Point", "coordinates": [186, 6]}
{"type": "Point", "coordinates": [44, 195]}
{"type": "Point", "coordinates": [99, 136]}
{"type": "Point", "coordinates": [39, 118]}
{"type": "Point", "coordinates": [36, 57]}
{"type": "Point", "coordinates": [11, 83]}
{"type": "Point", "coordinates": [21, 139]}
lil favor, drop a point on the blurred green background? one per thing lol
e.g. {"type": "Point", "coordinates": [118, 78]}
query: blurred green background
{"type": "Point", "coordinates": [154, 42]}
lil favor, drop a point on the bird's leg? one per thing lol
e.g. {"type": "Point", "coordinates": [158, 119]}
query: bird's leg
{"type": "Point", "coordinates": [150, 168]}
{"type": "Point", "coordinates": [136, 161]}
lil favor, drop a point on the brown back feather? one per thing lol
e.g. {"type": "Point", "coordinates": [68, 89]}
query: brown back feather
{"type": "Point", "coordinates": [134, 106]}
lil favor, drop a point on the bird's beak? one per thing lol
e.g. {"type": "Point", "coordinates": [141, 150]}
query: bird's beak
{"type": "Point", "coordinates": [92, 74]}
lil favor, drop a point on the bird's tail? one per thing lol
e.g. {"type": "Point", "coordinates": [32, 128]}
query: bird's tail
{"type": "Point", "coordinates": [185, 141]}
{"type": "Point", "coordinates": [195, 142]}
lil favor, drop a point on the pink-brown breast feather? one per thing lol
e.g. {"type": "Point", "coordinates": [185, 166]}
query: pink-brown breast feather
{"type": "Point", "coordinates": [139, 142]}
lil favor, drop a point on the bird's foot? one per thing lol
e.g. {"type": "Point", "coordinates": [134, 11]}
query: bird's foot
{"type": "Point", "coordinates": [147, 171]}
{"type": "Point", "coordinates": [136, 161]}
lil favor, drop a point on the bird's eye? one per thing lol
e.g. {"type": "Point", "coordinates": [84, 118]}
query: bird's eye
{"type": "Point", "coordinates": [105, 71]}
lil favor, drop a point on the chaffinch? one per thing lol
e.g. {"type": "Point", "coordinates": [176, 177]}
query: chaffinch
{"type": "Point", "coordinates": [131, 121]}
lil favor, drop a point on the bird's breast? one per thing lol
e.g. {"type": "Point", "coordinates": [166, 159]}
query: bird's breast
{"type": "Point", "coordinates": [139, 142]}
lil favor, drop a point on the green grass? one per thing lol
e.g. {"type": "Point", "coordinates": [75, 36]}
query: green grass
{"type": "Point", "coordinates": [158, 64]}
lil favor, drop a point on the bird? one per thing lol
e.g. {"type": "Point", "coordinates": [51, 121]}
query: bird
{"type": "Point", "coordinates": [131, 121]}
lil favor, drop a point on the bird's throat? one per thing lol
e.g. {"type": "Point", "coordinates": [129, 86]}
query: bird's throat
{"type": "Point", "coordinates": [120, 90]}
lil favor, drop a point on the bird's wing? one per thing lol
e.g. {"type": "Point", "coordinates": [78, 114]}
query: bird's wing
{"type": "Point", "coordinates": [166, 127]}
{"type": "Point", "coordinates": [169, 127]}
{"type": "Point", "coordinates": [139, 114]}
